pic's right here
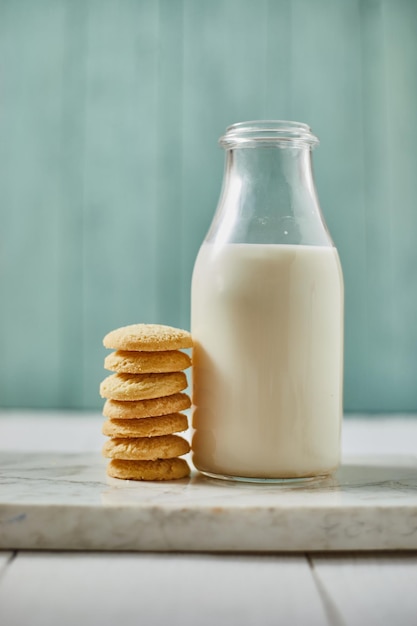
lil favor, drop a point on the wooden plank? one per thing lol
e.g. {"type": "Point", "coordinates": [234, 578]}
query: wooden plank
{"type": "Point", "coordinates": [72, 431]}
{"type": "Point", "coordinates": [32, 200]}
{"type": "Point", "coordinates": [174, 589]}
{"type": "Point", "coordinates": [119, 228]}
{"type": "Point", "coordinates": [368, 589]}
{"type": "Point", "coordinates": [54, 431]}
{"type": "Point", "coordinates": [364, 435]}
{"type": "Point", "coordinates": [6, 557]}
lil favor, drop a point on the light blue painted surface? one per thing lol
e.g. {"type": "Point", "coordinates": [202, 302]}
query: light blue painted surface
{"type": "Point", "coordinates": [110, 111]}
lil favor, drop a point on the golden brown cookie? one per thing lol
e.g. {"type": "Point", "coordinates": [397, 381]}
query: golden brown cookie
{"type": "Point", "coordinates": [146, 427]}
{"type": "Point", "coordinates": [146, 448]}
{"type": "Point", "coordinates": [133, 362]}
{"type": "Point", "coordinates": [116, 409]}
{"type": "Point", "coordinates": [148, 337]}
{"type": "Point", "coordinates": [142, 386]}
{"type": "Point", "coordinates": [161, 469]}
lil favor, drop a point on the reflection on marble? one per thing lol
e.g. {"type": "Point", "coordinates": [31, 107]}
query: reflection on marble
{"type": "Point", "coordinates": [66, 501]}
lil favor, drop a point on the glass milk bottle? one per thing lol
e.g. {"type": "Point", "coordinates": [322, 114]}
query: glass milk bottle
{"type": "Point", "coordinates": [267, 316]}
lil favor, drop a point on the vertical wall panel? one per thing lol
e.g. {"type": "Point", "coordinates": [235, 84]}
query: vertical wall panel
{"type": "Point", "coordinates": [224, 82]}
{"type": "Point", "coordinates": [376, 209]}
{"type": "Point", "coordinates": [69, 296]}
{"type": "Point", "coordinates": [169, 244]}
{"type": "Point", "coordinates": [110, 172]}
{"type": "Point", "coordinates": [279, 25]}
{"type": "Point", "coordinates": [119, 241]}
{"type": "Point", "coordinates": [389, 131]}
{"type": "Point", "coordinates": [32, 200]}
{"type": "Point", "coordinates": [399, 306]}
{"type": "Point", "coordinates": [326, 93]}
{"type": "Point", "coordinates": [120, 175]}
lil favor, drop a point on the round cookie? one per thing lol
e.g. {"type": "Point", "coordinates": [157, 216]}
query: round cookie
{"type": "Point", "coordinates": [146, 448]}
{"type": "Point", "coordinates": [161, 469]}
{"type": "Point", "coordinates": [148, 337]}
{"type": "Point", "coordinates": [133, 362]}
{"type": "Point", "coordinates": [147, 427]}
{"type": "Point", "coordinates": [116, 409]}
{"type": "Point", "coordinates": [142, 386]}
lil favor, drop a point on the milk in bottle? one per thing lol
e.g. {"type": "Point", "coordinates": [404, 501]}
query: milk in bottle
{"type": "Point", "coordinates": [267, 317]}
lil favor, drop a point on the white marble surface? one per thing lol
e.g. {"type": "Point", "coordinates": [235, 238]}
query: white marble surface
{"type": "Point", "coordinates": [62, 499]}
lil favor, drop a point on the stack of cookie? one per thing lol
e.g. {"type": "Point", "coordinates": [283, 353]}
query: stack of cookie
{"type": "Point", "coordinates": [143, 400]}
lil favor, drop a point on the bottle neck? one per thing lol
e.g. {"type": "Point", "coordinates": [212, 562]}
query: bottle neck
{"type": "Point", "coordinates": [269, 196]}
{"type": "Point", "coordinates": [272, 180]}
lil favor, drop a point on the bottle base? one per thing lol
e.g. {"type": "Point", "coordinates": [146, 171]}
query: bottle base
{"type": "Point", "coordinates": [268, 481]}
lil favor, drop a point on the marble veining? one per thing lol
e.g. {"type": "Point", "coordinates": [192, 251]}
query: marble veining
{"type": "Point", "coordinates": [66, 501]}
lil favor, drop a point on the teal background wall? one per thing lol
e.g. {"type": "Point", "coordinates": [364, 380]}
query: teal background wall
{"type": "Point", "coordinates": [110, 111]}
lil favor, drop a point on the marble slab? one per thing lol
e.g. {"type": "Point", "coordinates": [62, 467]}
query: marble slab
{"type": "Point", "coordinates": [65, 501]}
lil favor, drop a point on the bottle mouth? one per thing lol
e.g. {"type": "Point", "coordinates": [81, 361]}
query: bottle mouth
{"type": "Point", "coordinates": [268, 132]}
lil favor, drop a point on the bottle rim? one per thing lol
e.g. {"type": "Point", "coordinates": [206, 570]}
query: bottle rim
{"type": "Point", "coordinates": [282, 133]}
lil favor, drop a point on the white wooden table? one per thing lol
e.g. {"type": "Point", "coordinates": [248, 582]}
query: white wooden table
{"type": "Point", "coordinates": [88, 588]}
